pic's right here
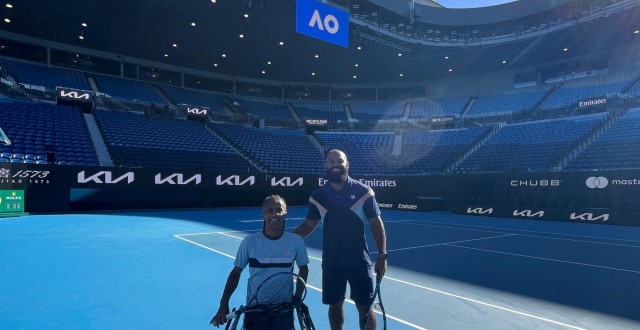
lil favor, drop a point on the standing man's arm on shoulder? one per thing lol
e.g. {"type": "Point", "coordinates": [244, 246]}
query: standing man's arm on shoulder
{"type": "Point", "coordinates": [229, 288]}
{"type": "Point", "coordinates": [380, 237]}
{"type": "Point", "coordinates": [306, 227]}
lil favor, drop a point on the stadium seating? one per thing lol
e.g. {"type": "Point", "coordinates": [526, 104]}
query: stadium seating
{"type": "Point", "coordinates": [506, 103]}
{"type": "Point", "coordinates": [265, 108]}
{"type": "Point", "coordinates": [197, 98]}
{"type": "Point", "coordinates": [572, 92]}
{"type": "Point", "coordinates": [373, 111]}
{"type": "Point", "coordinates": [428, 152]}
{"type": "Point", "coordinates": [36, 129]}
{"type": "Point", "coordinates": [127, 89]}
{"type": "Point", "coordinates": [425, 108]}
{"type": "Point", "coordinates": [635, 91]}
{"type": "Point", "coordinates": [332, 111]}
{"type": "Point", "coordinates": [277, 150]}
{"type": "Point", "coordinates": [617, 148]}
{"type": "Point", "coordinates": [532, 146]}
{"type": "Point", "coordinates": [136, 141]}
{"type": "Point", "coordinates": [367, 152]}
{"type": "Point", "coordinates": [48, 77]}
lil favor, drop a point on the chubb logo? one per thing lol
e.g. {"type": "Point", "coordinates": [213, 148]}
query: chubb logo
{"type": "Point", "coordinates": [177, 178]}
{"type": "Point", "coordinates": [535, 183]}
{"type": "Point", "coordinates": [329, 23]}
{"type": "Point", "coordinates": [287, 182]}
{"type": "Point", "coordinates": [105, 177]}
{"type": "Point", "coordinates": [597, 182]}
{"type": "Point", "coordinates": [234, 180]}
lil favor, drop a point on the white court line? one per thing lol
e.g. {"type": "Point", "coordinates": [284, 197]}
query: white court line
{"type": "Point", "coordinates": [461, 226]}
{"type": "Point", "coordinates": [228, 235]}
{"type": "Point", "coordinates": [205, 247]}
{"type": "Point", "coordinates": [447, 243]}
{"type": "Point", "coordinates": [485, 304]}
{"type": "Point", "coordinates": [309, 286]}
{"type": "Point", "coordinates": [526, 235]}
{"type": "Point", "coordinates": [425, 288]}
{"type": "Point", "coordinates": [547, 259]}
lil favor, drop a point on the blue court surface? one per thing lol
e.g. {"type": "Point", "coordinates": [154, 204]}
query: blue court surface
{"type": "Point", "coordinates": [167, 269]}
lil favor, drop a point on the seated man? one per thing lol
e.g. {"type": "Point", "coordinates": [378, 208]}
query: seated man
{"type": "Point", "coordinates": [266, 253]}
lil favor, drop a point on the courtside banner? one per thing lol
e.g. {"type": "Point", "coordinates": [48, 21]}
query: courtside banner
{"type": "Point", "coordinates": [322, 21]}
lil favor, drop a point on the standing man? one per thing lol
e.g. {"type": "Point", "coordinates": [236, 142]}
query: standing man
{"type": "Point", "coordinates": [266, 253]}
{"type": "Point", "coordinates": [345, 206]}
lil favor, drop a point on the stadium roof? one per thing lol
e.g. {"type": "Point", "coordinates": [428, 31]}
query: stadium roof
{"type": "Point", "coordinates": [388, 43]}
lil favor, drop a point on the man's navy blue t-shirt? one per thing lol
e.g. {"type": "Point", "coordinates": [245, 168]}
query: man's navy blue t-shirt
{"type": "Point", "coordinates": [344, 214]}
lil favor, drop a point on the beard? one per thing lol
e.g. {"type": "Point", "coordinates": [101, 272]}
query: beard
{"type": "Point", "coordinates": [338, 176]}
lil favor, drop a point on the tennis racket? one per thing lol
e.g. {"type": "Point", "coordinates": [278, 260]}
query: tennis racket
{"type": "Point", "coordinates": [304, 318]}
{"type": "Point", "coordinates": [274, 295]}
{"type": "Point", "coordinates": [378, 318]}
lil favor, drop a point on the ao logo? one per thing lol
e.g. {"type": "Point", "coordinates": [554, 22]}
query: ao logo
{"type": "Point", "coordinates": [597, 182]}
{"type": "Point", "coordinates": [330, 22]}
{"type": "Point", "coordinates": [320, 20]}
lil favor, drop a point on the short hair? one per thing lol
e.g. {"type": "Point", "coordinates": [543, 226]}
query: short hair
{"type": "Point", "coordinates": [335, 150]}
{"type": "Point", "coordinates": [276, 198]}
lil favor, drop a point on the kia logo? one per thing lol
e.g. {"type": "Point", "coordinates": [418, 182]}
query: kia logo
{"type": "Point", "coordinates": [235, 180]}
{"type": "Point", "coordinates": [105, 177]}
{"type": "Point", "coordinates": [588, 217]}
{"type": "Point", "coordinates": [597, 182]}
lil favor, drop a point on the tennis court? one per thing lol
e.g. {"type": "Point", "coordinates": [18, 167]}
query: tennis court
{"type": "Point", "coordinates": [167, 269]}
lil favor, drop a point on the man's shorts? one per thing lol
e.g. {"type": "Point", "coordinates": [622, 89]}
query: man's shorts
{"type": "Point", "coordinates": [269, 321]}
{"type": "Point", "coordinates": [334, 285]}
